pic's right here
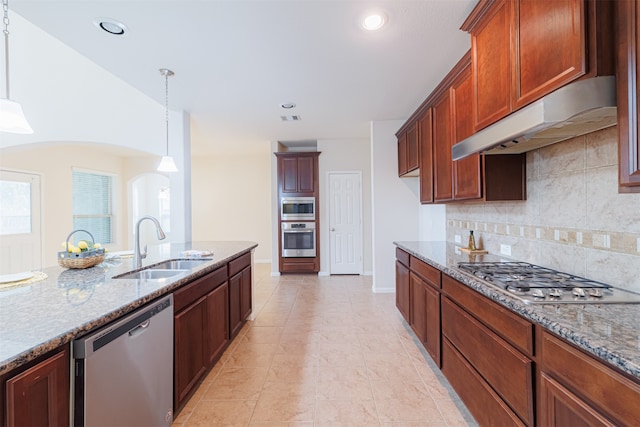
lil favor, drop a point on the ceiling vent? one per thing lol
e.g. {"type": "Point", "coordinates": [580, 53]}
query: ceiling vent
{"type": "Point", "coordinates": [290, 118]}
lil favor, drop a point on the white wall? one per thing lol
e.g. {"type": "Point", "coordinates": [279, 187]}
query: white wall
{"type": "Point", "coordinates": [345, 155]}
{"type": "Point", "coordinates": [395, 203]}
{"type": "Point", "coordinates": [232, 199]}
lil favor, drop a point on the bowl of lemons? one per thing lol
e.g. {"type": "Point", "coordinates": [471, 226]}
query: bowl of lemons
{"type": "Point", "coordinates": [85, 254]}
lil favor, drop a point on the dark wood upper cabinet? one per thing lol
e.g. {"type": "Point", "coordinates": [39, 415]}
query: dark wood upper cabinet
{"type": "Point", "coordinates": [442, 137]}
{"type": "Point", "coordinates": [491, 58]}
{"type": "Point", "coordinates": [425, 140]}
{"type": "Point", "coordinates": [525, 49]}
{"type": "Point", "coordinates": [467, 174]}
{"type": "Point", "coordinates": [628, 91]}
{"type": "Point", "coordinates": [298, 173]}
{"type": "Point", "coordinates": [408, 151]}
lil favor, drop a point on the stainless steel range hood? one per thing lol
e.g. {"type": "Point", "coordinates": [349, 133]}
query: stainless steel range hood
{"type": "Point", "coordinates": [576, 109]}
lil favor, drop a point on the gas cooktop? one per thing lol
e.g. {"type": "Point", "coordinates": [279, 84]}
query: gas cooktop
{"type": "Point", "coordinates": [534, 284]}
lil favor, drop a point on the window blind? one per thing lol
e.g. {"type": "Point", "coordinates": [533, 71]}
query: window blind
{"type": "Point", "coordinates": [93, 205]}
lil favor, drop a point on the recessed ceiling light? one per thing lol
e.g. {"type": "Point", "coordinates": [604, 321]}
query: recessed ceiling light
{"type": "Point", "coordinates": [374, 21]}
{"type": "Point", "coordinates": [288, 105]}
{"type": "Point", "coordinates": [111, 26]}
{"type": "Point", "coordinates": [290, 118]}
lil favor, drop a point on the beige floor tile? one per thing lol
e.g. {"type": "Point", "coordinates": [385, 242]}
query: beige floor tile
{"type": "Point", "coordinates": [281, 402]}
{"type": "Point", "coordinates": [346, 413]}
{"type": "Point", "coordinates": [323, 351]}
{"type": "Point", "coordinates": [215, 413]}
{"type": "Point", "coordinates": [237, 384]}
{"type": "Point", "coordinates": [343, 382]}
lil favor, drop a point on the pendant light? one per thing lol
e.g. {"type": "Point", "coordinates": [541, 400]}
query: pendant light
{"type": "Point", "coordinates": [11, 116]}
{"type": "Point", "coordinates": [167, 164]}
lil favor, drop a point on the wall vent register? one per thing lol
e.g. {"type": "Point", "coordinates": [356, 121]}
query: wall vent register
{"type": "Point", "coordinates": [534, 284]}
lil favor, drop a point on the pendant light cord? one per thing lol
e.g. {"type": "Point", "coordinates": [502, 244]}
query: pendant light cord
{"type": "Point", "coordinates": [5, 21]}
{"type": "Point", "coordinates": [166, 106]}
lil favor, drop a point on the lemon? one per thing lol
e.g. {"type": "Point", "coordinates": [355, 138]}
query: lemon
{"type": "Point", "coordinates": [76, 250]}
{"type": "Point", "coordinates": [83, 245]}
{"type": "Point", "coordinates": [97, 246]}
{"type": "Point", "coordinates": [70, 248]}
{"type": "Point", "coordinates": [64, 245]}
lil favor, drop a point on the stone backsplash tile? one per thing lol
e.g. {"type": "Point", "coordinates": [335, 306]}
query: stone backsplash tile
{"type": "Point", "coordinates": [573, 219]}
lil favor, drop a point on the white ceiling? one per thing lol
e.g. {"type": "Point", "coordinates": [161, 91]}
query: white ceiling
{"type": "Point", "coordinates": [236, 61]}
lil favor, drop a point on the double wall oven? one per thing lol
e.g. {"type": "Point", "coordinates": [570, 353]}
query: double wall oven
{"type": "Point", "coordinates": [298, 227]}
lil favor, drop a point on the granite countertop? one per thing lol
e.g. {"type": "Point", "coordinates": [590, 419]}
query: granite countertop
{"type": "Point", "coordinates": [42, 316]}
{"type": "Point", "coordinates": [608, 331]}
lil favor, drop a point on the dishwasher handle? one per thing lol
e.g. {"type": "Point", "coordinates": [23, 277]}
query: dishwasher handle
{"type": "Point", "coordinates": [139, 329]}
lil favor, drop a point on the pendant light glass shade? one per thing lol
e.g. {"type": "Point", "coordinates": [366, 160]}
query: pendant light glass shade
{"type": "Point", "coordinates": [167, 164]}
{"type": "Point", "coordinates": [12, 118]}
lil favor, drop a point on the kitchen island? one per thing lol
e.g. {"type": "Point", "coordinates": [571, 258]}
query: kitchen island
{"type": "Point", "coordinates": [564, 362]}
{"type": "Point", "coordinates": [39, 320]}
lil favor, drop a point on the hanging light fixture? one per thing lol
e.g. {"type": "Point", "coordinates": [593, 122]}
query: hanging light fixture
{"type": "Point", "coordinates": [11, 116]}
{"type": "Point", "coordinates": [167, 164]}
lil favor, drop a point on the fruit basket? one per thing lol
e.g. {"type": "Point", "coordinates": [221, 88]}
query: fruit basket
{"type": "Point", "coordinates": [84, 255]}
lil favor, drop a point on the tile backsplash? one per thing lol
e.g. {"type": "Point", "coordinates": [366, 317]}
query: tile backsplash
{"type": "Point", "coordinates": [573, 220]}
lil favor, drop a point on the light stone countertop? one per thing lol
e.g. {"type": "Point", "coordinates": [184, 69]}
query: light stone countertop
{"type": "Point", "coordinates": [608, 331]}
{"type": "Point", "coordinates": [42, 316]}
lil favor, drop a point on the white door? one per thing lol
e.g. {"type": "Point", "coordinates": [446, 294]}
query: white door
{"type": "Point", "coordinates": [345, 222]}
{"type": "Point", "coordinates": [20, 228]}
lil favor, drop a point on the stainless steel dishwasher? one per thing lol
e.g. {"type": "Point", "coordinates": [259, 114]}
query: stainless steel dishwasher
{"type": "Point", "coordinates": [124, 371]}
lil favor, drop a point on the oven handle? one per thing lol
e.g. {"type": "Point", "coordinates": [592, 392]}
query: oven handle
{"type": "Point", "coordinates": [297, 231]}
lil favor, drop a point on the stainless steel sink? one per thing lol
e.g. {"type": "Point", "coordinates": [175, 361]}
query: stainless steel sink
{"type": "Point", "coordinates": [152, 274]}
{"type": "Point", "coordinates": [179, 264]}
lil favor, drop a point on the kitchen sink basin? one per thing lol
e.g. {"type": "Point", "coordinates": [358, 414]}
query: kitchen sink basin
{"type": "Point", "coordinates": [179, 264]}
{"type": "Point", "coordinates": [152, 274]}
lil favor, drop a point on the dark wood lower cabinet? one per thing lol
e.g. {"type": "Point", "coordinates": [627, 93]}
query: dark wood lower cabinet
{"type": "Point", "coordinates": [403, 290]}
{"type": "Point", "coordinates": [482, 401]}
{"type": "Point", "coordinates": [204, 312]}
{"type": "Point", "coordinates": [560, 407]}
{"type": "Point", "coordinates": [506, 370]}
{"type": "Point", "coordinates": [190, 351]}
{"type": "Point", "coordinates": [39, 396]}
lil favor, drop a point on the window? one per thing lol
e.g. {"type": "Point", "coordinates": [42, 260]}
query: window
{"type": "Point", "coordinates": [15, 207]}
{"type": "Point", "coordinates": [93, 204]}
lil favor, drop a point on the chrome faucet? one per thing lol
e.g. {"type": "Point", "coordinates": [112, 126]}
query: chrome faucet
{"type": "Point", "coordinates": [139, 256]}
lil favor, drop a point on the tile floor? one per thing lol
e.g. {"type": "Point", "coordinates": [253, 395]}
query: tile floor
{"type": "Point", "coordinates": [323, 351]}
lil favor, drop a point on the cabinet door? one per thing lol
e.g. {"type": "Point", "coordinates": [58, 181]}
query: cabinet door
{"type": "Point", "coordinates": [425, 139]}
{"type": "Point", "coordinates": [418, 301]}
{"type": "Point", "coordinates": [560, 407]}
{"type": "Point", "coordinates": [306, 174]}
{"type": "Point", "coordinates": [628, 90]}
{"type": "Point", "coordinates": [551, 47]}
{"type": "Point", "coordinates": [235, 315]}
{"type": "Point", "coordinates": [217, 322]}
{"type": "Point", "coordinates": [412, 148]}
{"type": "Point", "coordinates": [402, 154]}
{"type": "Point", "coordinates": [442, 137]}
{"type": "Point", "coordinates": [491, 47]}
{"type": "Point", "coordinates": [466, 172]}
{"type": "Point", "coordinates": [289, 174]}
{"type": "Point", "coordinates": [191, 359]}
{"type": "Point", "coordinates": [39, 396]}
{"type": "Point", "coordinates": [432, 306]}
{"type": "Point", "coordinates": [402, 290]}
{"type": "Point", "coordinates": [245, 294]}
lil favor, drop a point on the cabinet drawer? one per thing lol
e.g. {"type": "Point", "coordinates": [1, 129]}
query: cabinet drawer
{"type": "Point", "coordinates": [429, 274]}
{"type": "Point", "coordinates": [402, 256]}
{"type": "Point", "coordinates": [492, 357]}
{"type": "Point", "coordinates": [612, 392]}
{"type": "Point", "coordinates": [483, 403]}
{"type": "Point", "coordinates": [199, 287]}
{"type": "Point", "coordinates": [508, 325]}
{"type": "Point", "coordinates": [238, 264]}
